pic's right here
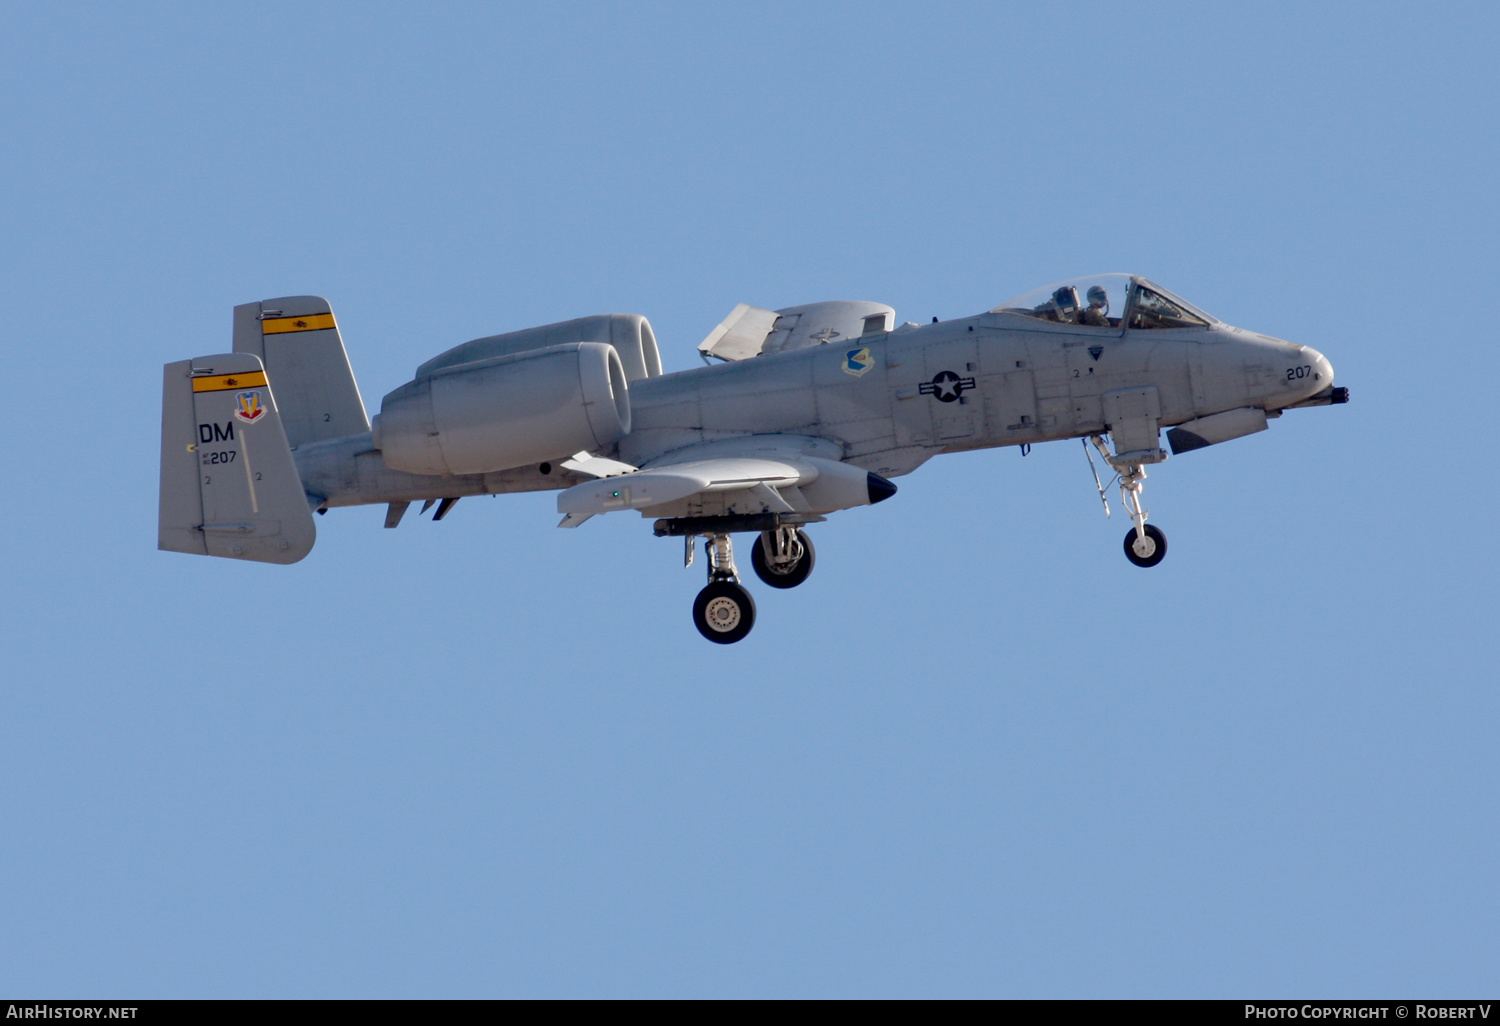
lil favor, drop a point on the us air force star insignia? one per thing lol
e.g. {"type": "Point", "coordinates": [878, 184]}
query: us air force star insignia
{"type": "Point", "coordinates": [946, 386]}
{"type": "Point", "coordinates": [858, 361]}
{"type": "Point", "coordinates": [1096, 352]}
{"type": "Point", "coordinates": [825, 336]}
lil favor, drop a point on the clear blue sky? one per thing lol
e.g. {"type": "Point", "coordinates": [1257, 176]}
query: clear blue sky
{"type": "Point", "coordinates": [978, 753]}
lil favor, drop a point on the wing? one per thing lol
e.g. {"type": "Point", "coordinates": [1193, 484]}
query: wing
{"type": "Point", "coordinates": [740, 335]}
{"type": "Point", "coordinates": [749, 331]}
{"type": "Point", "coordinates": [706, 484]}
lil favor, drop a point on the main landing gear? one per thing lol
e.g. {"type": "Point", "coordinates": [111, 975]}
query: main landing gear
{"type": "Point", "coordinates": [1145, 544]}
{"type": "Point", "coordinates": [724, 612]}
{"type": "Point", "coordinates": [782, 555]}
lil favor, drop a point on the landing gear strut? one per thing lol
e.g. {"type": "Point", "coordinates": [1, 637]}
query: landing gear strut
{"type": "Point", "coordinates": [783, 557]}
{"type": "Point", "coordinates": [724, 612]}
{"type": "Point", "coordinates": [1145, 544]}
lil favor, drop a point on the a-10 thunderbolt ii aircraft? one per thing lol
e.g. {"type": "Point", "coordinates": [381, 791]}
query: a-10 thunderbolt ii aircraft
{"type": "Point", "coordinates": [800, 413]}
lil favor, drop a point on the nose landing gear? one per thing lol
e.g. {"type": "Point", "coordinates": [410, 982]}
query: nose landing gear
{"type": "Point", "coordinates": [1145, 544]}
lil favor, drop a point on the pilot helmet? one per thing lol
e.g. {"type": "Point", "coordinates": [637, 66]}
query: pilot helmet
{"type": "Point", "coordinates": [1098, 297]}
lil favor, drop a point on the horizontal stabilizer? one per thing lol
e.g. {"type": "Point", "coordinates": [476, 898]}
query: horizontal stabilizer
{"type": "Point", "coordinates": [229, 486]}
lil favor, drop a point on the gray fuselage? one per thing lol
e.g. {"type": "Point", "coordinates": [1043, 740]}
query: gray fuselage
{"type": "Point", "coordinates": [992, 380]}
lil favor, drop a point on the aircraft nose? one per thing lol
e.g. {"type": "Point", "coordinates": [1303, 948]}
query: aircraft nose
{"type": "Point", "coordinates": [1309, 374]}
{"type": "Point", "coordinates": [1322, 369]}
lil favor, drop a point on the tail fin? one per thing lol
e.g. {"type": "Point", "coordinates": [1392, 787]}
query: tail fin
{"type": "Point", "coordinates": [298, 342]}
{"type": "Point", "coordinates": [229, 486]}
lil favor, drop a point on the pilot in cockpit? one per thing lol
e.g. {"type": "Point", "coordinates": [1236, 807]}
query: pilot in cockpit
{"type": "Point", "coordinates": [1097, 312]}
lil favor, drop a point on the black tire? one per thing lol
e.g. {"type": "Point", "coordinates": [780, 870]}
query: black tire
{"type": "Point", "coordinates": [724, 612]}
{"type": "Point", "coordinates": [783, 577]}
{"type": "Point", "coordinates": [1156, 541]}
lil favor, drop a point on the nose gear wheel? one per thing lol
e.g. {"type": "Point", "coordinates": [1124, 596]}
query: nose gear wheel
{"type": "Point", "coordinates": [1147, 547]}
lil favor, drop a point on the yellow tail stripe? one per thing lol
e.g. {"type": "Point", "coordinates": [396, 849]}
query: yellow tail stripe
{"type": "Point", "coordinates": [224, 382]}
{"type": "Point", "coordinates": [308, 322]}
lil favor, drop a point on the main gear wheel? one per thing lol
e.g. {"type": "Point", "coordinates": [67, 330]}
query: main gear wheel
{"type": "Point", "coordinates": [783, 558]}
{"type": "Point", "coordinates": [724, 612]}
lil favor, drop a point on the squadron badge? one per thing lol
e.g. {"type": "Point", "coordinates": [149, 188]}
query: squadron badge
{"type": "Point", "coordinates": [250, 409]}
{"type": "Point", "coordinates": [858, 361]}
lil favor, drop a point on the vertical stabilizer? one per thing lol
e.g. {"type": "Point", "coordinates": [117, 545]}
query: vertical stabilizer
{"type": "Point", "coordinates": [298, 342]}
{"type": "Point", "coordinates": [229, 486]}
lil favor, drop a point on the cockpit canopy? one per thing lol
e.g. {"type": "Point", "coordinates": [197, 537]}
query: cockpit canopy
{"type": "Point", "coordinates": [1108, 301]}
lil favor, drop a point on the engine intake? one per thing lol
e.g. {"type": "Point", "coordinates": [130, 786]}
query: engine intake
{"type": "Point", "coordinates": [505, 412]}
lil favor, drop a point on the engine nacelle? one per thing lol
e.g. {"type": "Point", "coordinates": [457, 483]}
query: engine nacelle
{"type": "Point", "coordinates": [630, 334]}
{"type": "Point", "coordinates": [505, 412]}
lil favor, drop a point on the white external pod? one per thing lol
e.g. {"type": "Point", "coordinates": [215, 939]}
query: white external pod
{"type": "Point", "coordinates": [843, 486]}
{"type": "Point", "coordinates": [505, 412]}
